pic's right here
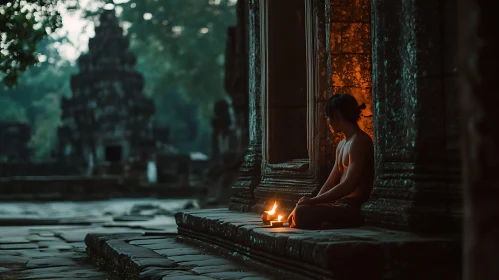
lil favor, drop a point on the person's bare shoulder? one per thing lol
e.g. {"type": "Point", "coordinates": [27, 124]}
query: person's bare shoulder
{"type": "Point", "coordinates": [340, 145]}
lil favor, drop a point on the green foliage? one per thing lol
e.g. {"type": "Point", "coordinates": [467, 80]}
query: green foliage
{"type": "Point", "coordinates": [36, 99]}
{"type": "Point", "coordinates": [11, 111]}
{"type": "Point", "coordinates": [48, 118]}
{"type": "Point", "coordinates": [23, 24]}
{"type": "Point", "coordinates": [180, 45]}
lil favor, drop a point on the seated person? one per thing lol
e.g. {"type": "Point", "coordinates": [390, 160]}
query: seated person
{"type": "Point", "coordinates": [351, 181]}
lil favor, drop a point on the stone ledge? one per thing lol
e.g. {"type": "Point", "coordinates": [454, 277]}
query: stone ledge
{"type": "Point", "coordinates": [365, 252]}
{"type": "Point", "coordinates": [142, 256]}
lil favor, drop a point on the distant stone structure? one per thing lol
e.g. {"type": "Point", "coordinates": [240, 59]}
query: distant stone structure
{"type": "Point", "coordinates": [108, 115]}
{"type": "Point", "coordinates": [230, 124]}
{"type": "Point", "coordinates": [14, 140]}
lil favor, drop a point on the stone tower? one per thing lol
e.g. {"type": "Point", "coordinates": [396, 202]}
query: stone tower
{"type": "Point", "coordinates": [108, 117]}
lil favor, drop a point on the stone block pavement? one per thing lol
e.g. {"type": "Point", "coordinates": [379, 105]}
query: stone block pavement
{"type": "Point", "coordinates": [47, 241]}
{"type": "Point", "coordinates": [149, 256]}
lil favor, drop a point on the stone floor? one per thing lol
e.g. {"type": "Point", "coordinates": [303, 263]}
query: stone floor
{"type": "Point", "coordinates": [46, 240]}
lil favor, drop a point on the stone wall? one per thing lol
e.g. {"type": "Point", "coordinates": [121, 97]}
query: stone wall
{"type": "Point", "coordinates": [351, 53]}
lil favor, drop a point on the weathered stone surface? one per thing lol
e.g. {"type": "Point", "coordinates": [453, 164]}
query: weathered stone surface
{"type": "Point", "coordinates": [137, 260]}
{"type": "Point", "coordinates": [236, 275]}
{"type": "Point", "coordinates": [250, 171]}
{"type": "Point", "coordinates": [49, 262]}
{"type": "Point", "coordinates": [178, 252]}
{"type": "Point", "coordinates": [10, 258]}
{"type": "Point", "coordinates": [35, 238]}
{"type": "Point", "coordinates": [206, 262]}
{"type": "Point", "coordinates": [326, 253]}
{"type": "Point", "coordinates": [21, 246]}
{"type": "Point", "coordinates": [61, 272]}
{"type": "Point", "coordinates": [417, 170]}
{"type": "Point", "coordinates": [215, 269]}
{"type": "Point", "coordinates": [478, 78]}
{"type": "Point", "coordinates": [180, 276]}
{"type": "Point", "coordinates": [350, 48]}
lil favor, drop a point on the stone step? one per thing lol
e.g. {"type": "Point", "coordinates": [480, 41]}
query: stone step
{"type": "Point", "coordinates": [148, 256]}
{"type": "Point", "coordinates": [355, 253]}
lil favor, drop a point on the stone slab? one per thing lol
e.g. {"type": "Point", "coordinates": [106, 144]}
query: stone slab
{"type": "Point", "coordinates": [324, 253]}
{"type": "Point", "coordinates": [130, 255]}
{"type": "Point", "coordinates": [49, 262]}
{"type": "Point", "coordinates": [14, 246]}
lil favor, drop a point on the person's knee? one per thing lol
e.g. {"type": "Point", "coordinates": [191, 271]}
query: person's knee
{"type": "Point", "coordinates": [302, 216]}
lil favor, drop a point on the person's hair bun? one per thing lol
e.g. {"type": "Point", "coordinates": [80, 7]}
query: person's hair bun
{"type": "Point", "coordinates": [362, 106]}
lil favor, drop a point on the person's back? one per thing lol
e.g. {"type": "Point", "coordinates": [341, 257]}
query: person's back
{"type": "Point", "coordinates": [351, 181]}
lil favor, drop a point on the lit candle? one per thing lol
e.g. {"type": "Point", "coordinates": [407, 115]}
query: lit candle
{"type": "Point", "coordinates": [269, 215]}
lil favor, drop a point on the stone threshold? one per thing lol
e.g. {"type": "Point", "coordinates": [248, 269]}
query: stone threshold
{"type": "Point", "coordinates": [355, 253]}
{"type": "Point", "coordinates": [162, 256]}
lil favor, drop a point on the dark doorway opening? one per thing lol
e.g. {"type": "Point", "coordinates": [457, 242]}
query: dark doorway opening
{"type": "Point", "coordinates": [287, 81]}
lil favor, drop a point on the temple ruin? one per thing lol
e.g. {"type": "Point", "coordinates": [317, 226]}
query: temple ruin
{"type": "Point", "coordinates": [108, 116]}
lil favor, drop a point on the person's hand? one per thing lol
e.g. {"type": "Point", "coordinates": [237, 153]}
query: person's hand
{"type": "Point", "coordinates": [303, 201]}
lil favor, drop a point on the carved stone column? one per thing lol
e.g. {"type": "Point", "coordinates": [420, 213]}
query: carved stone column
{"type": "Point", "coordinates": [479, 74]}
{"type": "Point", "coordinates": [250, 171]}
{"type": "Point", "coordinates": [415, 116]}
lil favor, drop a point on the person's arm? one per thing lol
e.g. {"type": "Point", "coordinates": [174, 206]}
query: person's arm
{"type": "Point", "coordinates": [357, 157]}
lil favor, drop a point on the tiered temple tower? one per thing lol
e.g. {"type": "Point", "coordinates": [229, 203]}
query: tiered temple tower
{"type": "Point", "coordinates": [108, 116]}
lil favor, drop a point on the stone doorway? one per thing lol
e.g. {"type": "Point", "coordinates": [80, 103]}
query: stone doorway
{"type": "Point", "coordinates": [293, 82]}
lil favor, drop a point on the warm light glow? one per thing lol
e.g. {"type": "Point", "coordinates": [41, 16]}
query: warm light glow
{"type": "Point", "coordinates": [279, 218]}
{"type": "Point", "coordinates": [272, 212]}
{"type": "Point", "coordinates": [147, 16]}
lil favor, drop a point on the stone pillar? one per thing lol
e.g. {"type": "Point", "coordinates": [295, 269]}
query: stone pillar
{"type": "Point", "coordinates": [478, 77]}
{"type": "Point", "coordinates": [250, 171]}
{"type": "Point", "coordinates": [415, 116]}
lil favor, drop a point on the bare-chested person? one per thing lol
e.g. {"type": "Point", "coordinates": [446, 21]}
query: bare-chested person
{"type": "Point", "coordinates": [351, 181]}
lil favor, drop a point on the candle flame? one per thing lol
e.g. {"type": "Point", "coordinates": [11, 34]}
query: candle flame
{"type": "Point", "coordinates": [272, 212]}
{"type": "Point", "coordinates": [279, 218]}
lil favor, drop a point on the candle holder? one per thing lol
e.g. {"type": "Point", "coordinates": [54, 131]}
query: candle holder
{"type": "Point", "coordinates": [266, 218]}
{"type": "Point", "coordinates": [275, 224]}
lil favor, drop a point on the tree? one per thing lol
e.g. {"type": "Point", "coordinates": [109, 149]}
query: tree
{"type": "Point", "coordinates": [180, 46]}
{"type": "Point", "coordinates": [23, 24]}
{"type": "Point", "coordinates": [36, 99]}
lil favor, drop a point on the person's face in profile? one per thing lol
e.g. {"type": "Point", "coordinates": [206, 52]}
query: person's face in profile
{"type": "Point", "coordinates": [333, 123]}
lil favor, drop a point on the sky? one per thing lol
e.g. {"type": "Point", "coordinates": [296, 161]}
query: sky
{"type": "Point", "coordinates": [79, 30]}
